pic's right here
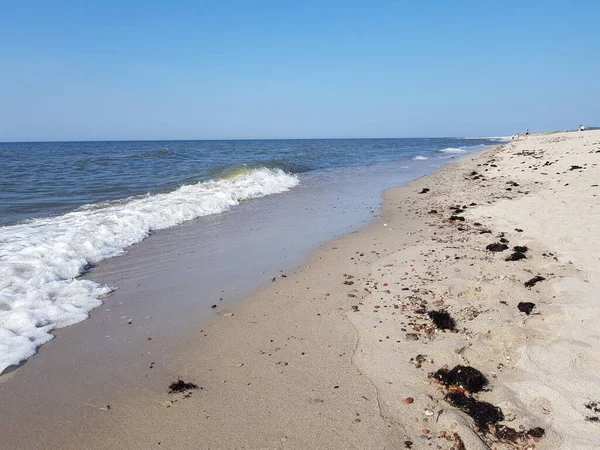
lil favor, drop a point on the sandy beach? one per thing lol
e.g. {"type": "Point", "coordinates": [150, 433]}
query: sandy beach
{"type": "Point", "coordinates": [346, 351]}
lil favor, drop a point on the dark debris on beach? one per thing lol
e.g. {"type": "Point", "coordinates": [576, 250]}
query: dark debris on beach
{"type": "Point", "coordinates": [486, 416]}
{"type": "Point", "coordinates": [516, 256]}
{"type": "Point", "coordinates": [532, 282]}
{"type": "Point", "coordinates": [465, 377]}
{"type": "Point", "coordinates": [512, 436]}
{"type": "Point", "coordinates": [496, 247]}
{"type": "Point", "coordinates": [181, 386]}
{"type": "Point", "coordinates": [442, 320]}
{"type": "Point", "coordinates": [484, 413]}
{"type": "Point", "coordinates": [526, 307]}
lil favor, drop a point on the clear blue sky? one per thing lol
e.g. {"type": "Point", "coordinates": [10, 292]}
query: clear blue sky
{"type": "Point", "coordinates": [293, 69]}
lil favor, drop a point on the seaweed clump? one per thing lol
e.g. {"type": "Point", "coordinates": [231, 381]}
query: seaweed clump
{"type": "Point", "coordinates": [482, 413]}
{"type": "Point", "coordinates": [442, 320]}
{"type": "Point", "coordinates": [533, 281]}
{"type": "Point", "coordinates": [508, 434]}
{"type": "Point", "coordinates": [181, 386]}
{"type": "Point", "coordinates": [485, 415]}
{"type": "Point", "coordinates": [516, 256]}
{"type": "Point", "coordinates": [496, 247]}
{"type": "Point", "coordinates": [520, 248]}
{"type": "Point", "coordinates": [526, 307]}
{"type": "Point", "coordinates": [460, 400]}
{"type": "Point", "coordinates": [464, 377]}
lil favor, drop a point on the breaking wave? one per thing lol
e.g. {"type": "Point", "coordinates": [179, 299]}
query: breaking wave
{"type": "Point", "coordinates": [41, 259]}
{"type": "Point", "coordinates": [452, 150]}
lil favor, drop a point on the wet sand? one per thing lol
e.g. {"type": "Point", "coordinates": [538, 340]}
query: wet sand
{"type": "Point", "coordinates": [338, 354]}
{"type": "Point", "coordinates": [166, 286]}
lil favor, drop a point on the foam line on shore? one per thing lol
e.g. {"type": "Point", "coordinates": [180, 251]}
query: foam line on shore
{"type": "Point", "coordinates": [452, 150]}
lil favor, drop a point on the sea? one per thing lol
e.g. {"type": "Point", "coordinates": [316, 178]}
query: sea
{"type": "Point", "coordinates": [67, 206]}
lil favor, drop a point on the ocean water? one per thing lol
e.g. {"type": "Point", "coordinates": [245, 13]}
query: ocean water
{"type": "Point", "coordinates": [64, 207]}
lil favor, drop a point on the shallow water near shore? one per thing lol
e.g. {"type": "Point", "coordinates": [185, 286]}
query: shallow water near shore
{"type": "Point", "coordinates": [219, 259]}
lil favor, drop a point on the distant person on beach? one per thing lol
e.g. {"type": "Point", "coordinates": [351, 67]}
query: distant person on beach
{"type": "Point", "coordinates": [527, 132]}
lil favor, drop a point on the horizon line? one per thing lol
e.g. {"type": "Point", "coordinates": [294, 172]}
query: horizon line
{"type": "Point", "coordinates": [245, 139]}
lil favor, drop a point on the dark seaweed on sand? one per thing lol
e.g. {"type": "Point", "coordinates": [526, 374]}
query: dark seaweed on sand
{"type": "Point", "coordinates": [181, 386]}
{"type": "Point", "coordinates": [496, 247]}
{"type": "Point", "coordinates": [592, 405]}
{"type": "Point", "coordinates": [460, 400]}
{"type": "Point", "coordinates": [520, 248]}
{"type": "Point", "coordinates": [509, 434]}
{"type": "Point", "coordinates": [442, 320]}
{"type": "Point", "coordinates": [533, 281]}
{"type": "Point", "coordinates": [516, 256]}
{"type": "Point", "coordinates": [526, 307]}
{"type": "Point", "coordinates": [466, 377]}
{"type": "Point", "coordinates": [537, 432]}
{"type": "Point", "coordinates": [483, 413]}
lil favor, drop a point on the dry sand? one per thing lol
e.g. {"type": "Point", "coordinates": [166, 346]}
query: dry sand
{"type": "Point", "coordinates": [327, 357]}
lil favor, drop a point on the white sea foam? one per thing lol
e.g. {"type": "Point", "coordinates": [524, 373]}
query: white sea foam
{"type": "Point", "coordinates": [488, 138]}
{"type": "Point", "coordinates": [41, 259]}
{"type": "Point", "coordinates": [452, 150]}
{"type": "Point", "coordinates": [420, 158]}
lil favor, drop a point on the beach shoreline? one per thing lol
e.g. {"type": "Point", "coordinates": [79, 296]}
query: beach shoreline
{"type": "Point", "coordinates": [164, 288]}
{"type": "Point", "coordinates": [338, 353]}
{"type": "Point", "coordinates": [57, 266]}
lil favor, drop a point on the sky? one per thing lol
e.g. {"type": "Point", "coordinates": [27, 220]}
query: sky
{"type": "Point", "coordinates": [144, 70]}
